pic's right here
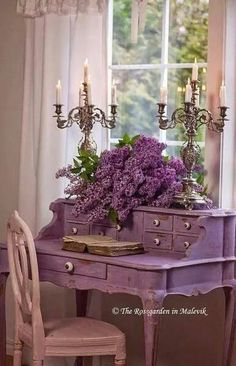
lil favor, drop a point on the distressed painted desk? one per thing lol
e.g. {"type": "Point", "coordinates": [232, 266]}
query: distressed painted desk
{"type": "Point", "coordinates": [187, 253]}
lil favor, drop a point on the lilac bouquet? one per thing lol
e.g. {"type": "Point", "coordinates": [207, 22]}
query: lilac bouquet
{"type": "Point", "coordinates": [132, 174]}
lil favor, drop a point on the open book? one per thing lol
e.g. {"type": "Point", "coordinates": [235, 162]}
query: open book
{"type": "Point", "coordinates": [102, 245]}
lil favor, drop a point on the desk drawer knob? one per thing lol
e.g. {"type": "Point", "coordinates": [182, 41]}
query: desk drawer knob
{"type": "Point", "coordinates": [118, 227]}
{"type": "Point", "coordinates": [186, 244]}
{"type": "Point", "coordinates": [187, 225]}
{"type": "Point", "coordinates": [156, 222]}
{"type": "Point", "coordinates": [157, 242]}
{"type": "Point", "coordinates": [69, 267]}
{"type": "Point", "coordinates": [74, 230]}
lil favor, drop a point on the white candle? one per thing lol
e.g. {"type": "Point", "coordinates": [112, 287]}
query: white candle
{"type": "Point", "coordinates": [163, 95]}
{"type": "Point", "coordinates": [81, 90]}
{"type": "Point", "coordinates": [89, 92]}
{"type": "Point", "coordinates": [58, 92]}
{"type": "Point", "coordinates": [223, 95]}
{"type": "Point", "coordinates": [86, 71]}
{"type": "Point", "coordinates": [197, 98]}
{"type": "Point", "coordinates": [195, 71]}
{"type": "Point", "coordinates": [188, 92]}
{"type": "Point", "coordinates": [113, 94]}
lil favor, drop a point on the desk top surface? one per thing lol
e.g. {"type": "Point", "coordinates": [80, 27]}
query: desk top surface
{"type": "Point", "coordinates": [146, 261]}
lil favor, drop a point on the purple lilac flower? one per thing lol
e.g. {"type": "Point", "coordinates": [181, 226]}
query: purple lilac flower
{"type": "Point", "coordinates": [127, 178]}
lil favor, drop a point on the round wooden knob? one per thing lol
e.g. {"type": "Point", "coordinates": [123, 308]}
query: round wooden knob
{"type": "Point", "coordinates": [74, 230]}
{"type": "Point", "coordinates": [187, 244]}
{"type": "Point", "coordinates": [157, 242]}
{"type": "Point", "coordinates": [156, 222]}
{"type": "Point", "coordinates": [187, 225]}
{"type": "Point", "coordinates": [118, 227]}
{"type": "Point", "coordinates": [69, 267]}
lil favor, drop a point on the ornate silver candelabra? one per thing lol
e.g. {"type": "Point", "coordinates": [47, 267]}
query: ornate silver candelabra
{"type": "Point", "coordinates": [192, 118]}
{"type": "Point", "coordinates": [85, 117]}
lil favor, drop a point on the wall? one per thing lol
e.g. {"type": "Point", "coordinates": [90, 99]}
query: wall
{"type": "Point", "coordinates": [11, 92]}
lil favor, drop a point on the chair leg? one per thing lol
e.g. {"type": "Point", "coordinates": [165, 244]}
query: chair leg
{"type": "Point", "coordinates": [17, 359]}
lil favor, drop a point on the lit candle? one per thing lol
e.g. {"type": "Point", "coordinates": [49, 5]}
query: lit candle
{"type": "Point", "coordinates": [81, 90]}
{"type": "Point", "coordinates": [86, 71]}
{"type": "Point", "coordinates": [89, 92]}
{"type": "Point", "coordinates": [163, 95]}
{"type": "Point", "coordinates": [58, 92]}
{"type": "Point", "coordinates": [223, 95]}
{"type": "Point", "coordinates": [195, 71]}
{"type": "Point", "coordinates": [113, 94]}
{"type": "Point", "coordinates": [188, 92]}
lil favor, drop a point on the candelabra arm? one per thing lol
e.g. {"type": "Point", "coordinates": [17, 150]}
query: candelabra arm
{"type": "Point", "coordinates": [177, 117]}
{"type": "Point", "coordinates": [107, 122]}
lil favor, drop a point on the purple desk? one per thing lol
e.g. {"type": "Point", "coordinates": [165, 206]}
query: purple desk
{"type": "Point", "coordinates": [188, 253]}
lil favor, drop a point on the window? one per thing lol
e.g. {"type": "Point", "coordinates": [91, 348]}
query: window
{"type": "Point", "coordinates": [176, 32]}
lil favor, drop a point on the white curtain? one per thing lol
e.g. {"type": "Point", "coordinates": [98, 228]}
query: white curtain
{"type": "Point", "coordinates": [56, 47]}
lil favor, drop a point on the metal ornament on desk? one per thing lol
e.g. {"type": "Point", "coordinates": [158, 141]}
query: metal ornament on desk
{"type": "Point", "coordinates": [192, 118]}
{"type": "Point", "coordinates": [85, 117]}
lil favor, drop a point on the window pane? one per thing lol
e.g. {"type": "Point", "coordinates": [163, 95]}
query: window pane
{"type": "Point", "coordinates": [177, 79]}
{"type": "Point", "coordinates": [137, 92]}
{"type": "Point", "coordinates": [188, 31]}
{"type": "Point", "coordinates": [148, 48]}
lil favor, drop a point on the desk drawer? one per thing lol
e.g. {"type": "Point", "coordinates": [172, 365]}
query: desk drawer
{"type": "Point", "coordinates": [185, 224]}
{"type": "Point", "coordinates": [183, 242]}
{"type": "Point", "coordinates": [157, 240]}
{"type": "Point", "coordinates": [80, 267]}
{"type": "Point", "coordinates": [156, 222]}
{"type": "Point", "coordinates": [74, 228]}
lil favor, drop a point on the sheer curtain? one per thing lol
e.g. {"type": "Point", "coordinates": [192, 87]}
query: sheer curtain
{"type": "Point", "coordinates": [56, 47]}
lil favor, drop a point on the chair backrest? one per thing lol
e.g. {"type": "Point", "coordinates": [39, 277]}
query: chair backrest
{"type": "Point", "coordinates": [23, 267]}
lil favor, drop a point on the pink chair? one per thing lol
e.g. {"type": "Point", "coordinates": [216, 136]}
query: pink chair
{"type": "Point", "coordinates": [57, 337]}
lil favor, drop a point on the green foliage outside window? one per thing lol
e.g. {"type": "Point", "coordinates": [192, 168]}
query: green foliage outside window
{"type": "Point", "coordinates": [138, 90]}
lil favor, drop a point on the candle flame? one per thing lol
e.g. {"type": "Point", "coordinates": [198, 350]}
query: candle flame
{"type": "Point", "coordinates": [223, 82]}
{"type": "Point", "coordinates": [195, 60]}
{"type": "Point", "coordinates": [188, 81]}
{"type": "Point", "coordinates": [86, 62]}
{"type": "Point", "coordinates": [59, 84]}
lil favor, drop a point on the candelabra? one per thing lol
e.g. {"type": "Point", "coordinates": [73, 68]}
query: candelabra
{"type": "Point", "coordinates": [85, 117]}
{"type": "Point", "coordinates": [192, 117]}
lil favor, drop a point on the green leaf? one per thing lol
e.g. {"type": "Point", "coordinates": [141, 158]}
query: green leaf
{"type": "Point", "coordinates": [134, 139]}
{"type": "Point", "coordinates": [126, 140]}
{"type": "Point", "coordinates": [112, 215]}
{"type": "Point", "coordinates": [166, 158]}
{"type": "Point", "coordinates": [75, 170]}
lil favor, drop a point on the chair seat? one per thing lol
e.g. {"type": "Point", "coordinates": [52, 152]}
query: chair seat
{"type": "Point", "coordinates": [86, 335]}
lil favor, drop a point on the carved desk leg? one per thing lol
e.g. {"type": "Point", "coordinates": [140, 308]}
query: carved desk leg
{"type": "Point", "coordinates": [230, 322]}
{"type": "Point", "coordinates": [151, 300]}
{"type": "Point", "coordinates": [81, 306]}
{"type": "Point", "coordinates": [3, 278]}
